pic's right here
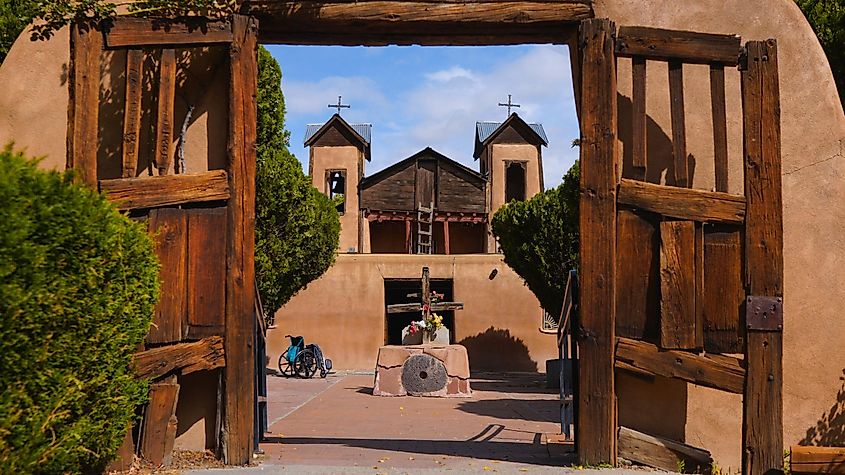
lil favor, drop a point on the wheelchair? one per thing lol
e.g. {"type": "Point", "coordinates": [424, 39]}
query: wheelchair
{"type": "Point", "coordinates": [303, 360]}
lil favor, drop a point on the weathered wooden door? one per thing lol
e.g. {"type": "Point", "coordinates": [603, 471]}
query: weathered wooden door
{"type": "Point", "coordinates": [203, 222]}
{"type": "Point", "coordinates": [674, 279]}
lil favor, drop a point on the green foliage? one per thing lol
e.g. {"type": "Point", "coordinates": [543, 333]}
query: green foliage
{"type": "Point", "coordinates": [827, 17]}
{"type": "Point", "coordinates": [15, 15]}
{"type": "Point", "coordinates": [539, 239]}
{"type": "Point", "coordinates": [78, 283]}
{"type": "Point", "coordinates": [296, 227]}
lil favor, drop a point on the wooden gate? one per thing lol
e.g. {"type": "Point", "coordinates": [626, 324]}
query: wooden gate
{"type": "Point", "coordinates": [203, 222]}
{"type": "Point", "coordinates": [673, 279]}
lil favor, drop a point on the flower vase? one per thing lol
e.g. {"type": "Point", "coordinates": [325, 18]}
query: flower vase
{"type": "Point", "coordinates": [427, 337]}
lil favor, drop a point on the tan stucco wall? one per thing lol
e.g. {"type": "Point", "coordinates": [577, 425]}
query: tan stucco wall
{"type": "Point", "coordinates": [344, 311]}
{"type": "Point", "coordinates": [503, 152]}
{"type": "Point", "coordinates": [341, 158]}
{"type": "Point", "coordinates": [813, 128]}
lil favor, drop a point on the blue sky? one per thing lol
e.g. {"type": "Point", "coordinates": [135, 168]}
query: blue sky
{"type": "Point", "coordinates": [431, 96]}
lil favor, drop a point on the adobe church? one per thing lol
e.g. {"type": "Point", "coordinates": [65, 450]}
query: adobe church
{"type": "Point", "coordinates": [424, 210]}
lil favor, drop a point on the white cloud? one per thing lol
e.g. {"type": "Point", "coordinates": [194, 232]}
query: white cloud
{"type": "Point", "coordinates": [446, 75]}
{"type": "Point", "coordinates": [310, 97]}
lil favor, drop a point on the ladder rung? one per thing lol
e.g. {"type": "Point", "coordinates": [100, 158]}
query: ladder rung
{"type": "Point", "coordinates": [427, 233]}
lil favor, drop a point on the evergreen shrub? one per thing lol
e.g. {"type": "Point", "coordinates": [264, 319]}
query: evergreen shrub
{"type": "Point", "coordinates": [78, 283]}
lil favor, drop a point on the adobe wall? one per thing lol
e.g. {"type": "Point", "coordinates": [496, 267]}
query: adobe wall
{"type": "Point", "coordinates": [514, 152]}
{"type": "Point", "coordinates": [813, 130]}
{"type": "Point", "coordinates": [344, 311]}
{"type": "Point", "coordinates": [341, 158]}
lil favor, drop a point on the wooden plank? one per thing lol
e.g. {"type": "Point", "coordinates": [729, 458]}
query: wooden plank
{"type": "Point", "coordinates": [86, 43]}
{"type": "Point", "coordinates": [662, 453]}
{"type": "Point", "coordinates": [125, 454]}
{"type": "Point", "coordinates": [150, 192]}
{"type": "Point", "coordinates": [186, 358]}
{"type": "Point", "coordinates": [408, 244]}
{"type": "Point", "coordinates": [637, 278]}
{"type": "Point", "coordinates": [720, 125]}
{"type": "Point", "coordinates": [161, 408]}
{"type": "Point", "coordinates": [699, 285]}
{"type": "Point", "coordinates": [683, 46]}
{"type": "Point", "coordinates": [677, 284]}
{"type": "Point", "coordinates": [134, 32]}
{"type": "Point", "coordinates": [446, 237]}
{"type": "Point", "coordinates": [237, 439]}
{"type": "Point", "coordinates": [132, 111]}
{"type": "Point", "coordinates": [164, 119]}
{"type": "Point", "coordinates": [169, 228]}
{"type": "Point", "coordinates": [724, 291]}
{"type": "Point", "coordinates": [638, 119]}
{"type": "Point", "coordinates": [683, 203]}
{"type": "Point", "coordinates": [206, 306]}
{"type": "Point", "coordinates": [804, 459]}
{"type": "Point", "coordinates": [416, 307]}
{"type": "Point", "coordinates": [596, 402]}
{"type": "Point", "coordinates": [763, 401]}
{"type": "Point", "coordinates": [720, 372]}
{"type": "Point", "coordinates": [679, 131]}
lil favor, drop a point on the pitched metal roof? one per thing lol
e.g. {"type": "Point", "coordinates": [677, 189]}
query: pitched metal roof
{"type": "Point", "coordinates": [364, 130]}
{"type": "Point", "coordinates": [486, 129]}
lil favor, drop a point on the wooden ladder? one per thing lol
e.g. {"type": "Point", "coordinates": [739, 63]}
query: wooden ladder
{"type": "Point", "coordinates": [425, 227]}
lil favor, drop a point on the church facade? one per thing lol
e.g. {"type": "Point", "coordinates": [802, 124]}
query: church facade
{"type": "Point", "coordinates": [426, 210]}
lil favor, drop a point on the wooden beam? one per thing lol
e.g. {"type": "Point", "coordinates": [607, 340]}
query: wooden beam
{"type": "Point", "coordinates": [446, 236]}
{"type": "Point", "coordinates": [699, 285]}
{"type": "Point", "coordinates": [683, 46]}
{"type": "Point", "coordinates": [150, 192]}
{"type": "Point", "coordinates": [416, 307]}
{"type": "Point", "coordinates": [596, 400]}
{"type": "Point", "coordinates": [720, 372]}
{"type": "Point", "coordinates": [408, 242]}
{"type": "Point", "coordinates": [638, 119]}
{"type": "Point", "coordinates": [677, 284]}
{"type": "Point", "coordinates": [159, 430]}
{"type": "Point", "coordinates": [132, 111]}
{"type": "Point", "coordinates": [804, 459]}
{"type": "Point", "coordinates": [662, 453]}
{"type": "Point", "coordinates": [86, 44]}
{"type": "Point", "coordinates": [134, 32]}
{"type": "Point", "coordinates": [720, 126]}
{"type": "Point", "coordinates": [238, 413]}
{"type": "Point", "coordinates": [683, 203]}
{"type": "Point", "coordinates": [169, 229]}
{"type": "Point", "coordinates": [164, 118]}
{"type": "Point", "coordinates": [425, 22]}
{"type": "Point", "coordinates": [186, 358]}
{"type": "Point", "coordinates": [763, 401]}
{"type": "Point", "coordinates": [679, 129]}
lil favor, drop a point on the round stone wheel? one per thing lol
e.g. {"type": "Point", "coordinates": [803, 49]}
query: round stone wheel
{"type": "Point", "coordinates": [422, 374]}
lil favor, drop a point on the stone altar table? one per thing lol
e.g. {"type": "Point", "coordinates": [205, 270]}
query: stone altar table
{"type": "Point", "coordinates": [422, 370]}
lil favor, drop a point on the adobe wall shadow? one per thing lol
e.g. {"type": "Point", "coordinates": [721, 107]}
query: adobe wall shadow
{"type": "Point", "coordinates": [497, 350]}
{"type": "Point", "coordinates": [538, 410]}
{"type": "Point", "coordinates": [830, 429]}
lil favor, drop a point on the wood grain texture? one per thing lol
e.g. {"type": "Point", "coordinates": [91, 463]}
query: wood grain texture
{"type": "Point", "coordinates": [160, 409]}
{"type": "Point", "coordinates": [637, 276]}
{"type": "Point", "coordinates": [134, 32]}
{"type": "Point", "coordinates": [804, 459]}
{"type": "Point", "coordinates": [683, 203]}
{"type": "Point", "coordinates": [683, 46]}
{"type": "Point", "coordinates": [86, 44]}
{"type": "Point", "coordinates": [679, 130]}
{"type": "Point", "coordinates": [720, 132]}
{"type": "Point", "coordinates": [125, 454]}
{"type": "Point", "coordinates": [164, 118]}
{"type": "Point", "coordinates": [763, 401]}
{"type": "Point", "coordinates": [132, 111]}
{"type": "Point", "coordinates": [206, 304]}
{"type": "Point", "coordinates": [638, 119]}
{"type": "Point", "coordinates": [149, 192]}
{"type": "Point", "coordinates": [596, 402]}
{"type": "Point", "coordinates": [662, 453]}
{"type": "Point", "coordinates": [699, 285]}
{"type": "Point", "coordinates": [238, 413]}
{"type": "Point", "coordinates": [724, 298]}
{"type": "Point", "coordinates": [169, 228]}
{"type": "Point", "coordinates": [720, 372]}
{"type": "Point", "coordinates": [185, 358]}
{"type": "Point", "coordinates": [677, 284]}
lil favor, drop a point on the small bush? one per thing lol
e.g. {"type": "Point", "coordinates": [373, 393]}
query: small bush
{"type": "Point", "coordinates": [539, 239]}
{"type": "Point", "coordinates": [78, 283]}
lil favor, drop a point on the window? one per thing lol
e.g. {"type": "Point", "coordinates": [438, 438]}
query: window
{"type": "Point", "coordinates": [336, 185]}
{"type": "Point", "coordinates": [514, 181]}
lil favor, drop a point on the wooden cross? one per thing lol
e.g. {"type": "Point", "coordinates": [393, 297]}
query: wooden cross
{"type": "Point", "coordinates": [340, 105]}
{"type": "Point", "coordinates": [509, 105]}
{"type": "Point", "coordinates": [425, 306]}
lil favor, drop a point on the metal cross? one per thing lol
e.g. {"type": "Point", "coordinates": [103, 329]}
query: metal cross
{"type": "Point", "coordinates": [509, 105]}
{"type": "Point", "coordinates": [339, 105]}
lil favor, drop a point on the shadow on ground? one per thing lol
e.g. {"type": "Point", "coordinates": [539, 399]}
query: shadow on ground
{"type": "Point", "coordinates": [516, 409]}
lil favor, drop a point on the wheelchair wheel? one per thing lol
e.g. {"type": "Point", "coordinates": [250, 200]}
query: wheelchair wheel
{"type": "Point", "coordinates": [305, 364]}
{"type": "Point", "coordinates": [285, 366]}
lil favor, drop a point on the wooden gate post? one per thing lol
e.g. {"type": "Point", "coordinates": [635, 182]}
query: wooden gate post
{"type": "Point", "coordinates": [239, 397]}
{"type": "Point", "coordinates": [86, 44]}
{"type": "Point", "coordinates": [762, 427]}
{"type": "Point", "coordinates": [595, 436]}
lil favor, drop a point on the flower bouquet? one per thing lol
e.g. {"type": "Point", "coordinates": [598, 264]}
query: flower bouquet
{"type": "Point", "coordinates": [428, 327]}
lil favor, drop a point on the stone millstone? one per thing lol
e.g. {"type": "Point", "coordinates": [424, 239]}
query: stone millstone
{"type": "Point", "coordinates": [422, 374]}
